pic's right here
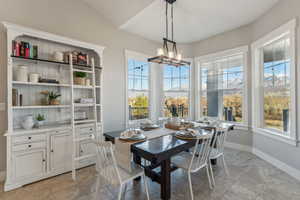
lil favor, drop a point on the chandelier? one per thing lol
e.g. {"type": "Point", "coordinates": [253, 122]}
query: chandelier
{"type": "Point", "coordinates": [168, 54]}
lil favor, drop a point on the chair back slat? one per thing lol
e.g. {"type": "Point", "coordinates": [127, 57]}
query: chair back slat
{"type": "Point", "coordinates": [220, 137]}
{"type": "Point", "coordinates": [201, 152]}
{"type": "Point", "coordinates": [106, 163]}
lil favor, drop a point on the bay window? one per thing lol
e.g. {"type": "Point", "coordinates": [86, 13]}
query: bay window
{"type": "Point", "coordinates": [176, 89]}
{"type": "Point", "coordinates": [274, 92]}
{"type": "Point", "coordinates": [221, 86]}
{"type": "Point", "coordinates": [138, 87]}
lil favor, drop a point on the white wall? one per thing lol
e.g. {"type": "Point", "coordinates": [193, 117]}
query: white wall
{"type": "Point", "coordinates": [278, 15]}
{"type": "Point", "coordinates": [281, 13]}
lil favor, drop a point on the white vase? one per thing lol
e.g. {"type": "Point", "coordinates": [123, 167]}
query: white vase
{"type": "Point", "coordinates": [34, 78]}
{"type": "Point", "coordinates": [22, 74]}
{"type": "Point", "coordinates": [28, 122]}
{"type": "Point", "coordinates": [58, 56]}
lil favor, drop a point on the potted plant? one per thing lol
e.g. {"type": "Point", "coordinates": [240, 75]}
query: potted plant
{"type": "Point", "coordinates": [53, 98]}
{"type": "Point", "coordinates": [40, 119]}
{"type": "Point", "coordinates": [80, 78]}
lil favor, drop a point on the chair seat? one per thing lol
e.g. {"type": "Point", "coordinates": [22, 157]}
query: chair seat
{"type": "Point", "coordinates": [214, 154]}
{"type": "Point", "coordinates": [129, 174]}
{"type": "Point", "coordinates": [125, 174]}
{"type": "Point", "coordinates": [183, 161]}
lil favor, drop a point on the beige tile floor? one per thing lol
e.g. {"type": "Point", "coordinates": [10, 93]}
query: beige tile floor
{"type": "Point", "coordinates": [250, 179]}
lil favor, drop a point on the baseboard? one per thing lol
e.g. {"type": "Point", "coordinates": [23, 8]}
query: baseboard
{"type": "Point", "coordinates": [277, 163]}
{"type": "Point", "coordinates": [2, 176]}
{"type": "Point", "coordinates": [238, 147]}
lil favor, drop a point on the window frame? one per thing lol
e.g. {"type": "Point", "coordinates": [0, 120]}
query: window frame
{"type": "Point", "coordinates": [242, 50]}
{"type": "Point", "coordinates": [286, 30]}
{"type": "Point", "coordinates": [189, 91]}
{"type": "Point", "coordinates": [144, 58]}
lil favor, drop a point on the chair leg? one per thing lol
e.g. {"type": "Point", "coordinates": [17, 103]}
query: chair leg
{"type": "Point", "coordinates": [208, 176]}
{"type": "Point", "coordinates": [124, 191]}
{"type": "Point", "coordinates": [225, 165]}
{"type": "Point", "coordinates": [212, 174]}
{"type": "Point", "coordinates": [190, 186]}
{"type": "Point", "coordinates": [120, 192]}
{"type": "Point", "coordinates": [146, 187]}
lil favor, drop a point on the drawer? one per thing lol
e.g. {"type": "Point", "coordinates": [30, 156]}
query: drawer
{"type": "Point", "coordinates": [29, 138]}
{"type": "Point", "coordinates": [85, 129]}
{"type": "Point", "coordinates": [29, 146]}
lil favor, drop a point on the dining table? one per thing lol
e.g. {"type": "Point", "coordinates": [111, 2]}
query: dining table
{"type": "Point", "coordinates": [155, 155]}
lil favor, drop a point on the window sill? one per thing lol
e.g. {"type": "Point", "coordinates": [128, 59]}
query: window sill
{"type": "Point", "coordinates": [274, 135]}
{"type": "Point", "coordinates": [239, 126]}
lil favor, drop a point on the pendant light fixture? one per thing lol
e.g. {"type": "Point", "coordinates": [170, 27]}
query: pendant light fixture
{"type": "Point", "coordinates": [168, 54]}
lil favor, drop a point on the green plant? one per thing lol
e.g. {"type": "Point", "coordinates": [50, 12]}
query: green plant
{"type": "Point", "coordinates": [40, 117]}
{"type": "Point", "coordinates": [53, 95]}
{"type": "Point", "coordinates": [80, 74]}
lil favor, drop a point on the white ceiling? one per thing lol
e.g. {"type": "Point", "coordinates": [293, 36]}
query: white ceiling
{"type": "Point", "coordinates": [194, 19]}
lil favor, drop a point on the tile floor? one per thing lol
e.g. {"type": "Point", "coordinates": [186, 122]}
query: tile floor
{"type": "Point", "coordinates": [250, 179]}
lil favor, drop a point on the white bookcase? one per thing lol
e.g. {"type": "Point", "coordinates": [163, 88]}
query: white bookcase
{"type": "Point", "coordinates": [63, 144]}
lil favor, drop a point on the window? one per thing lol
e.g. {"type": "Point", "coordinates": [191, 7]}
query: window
{"type": "Point", "coordinates": [176, 91]}
{"type": "Point", "coordinates": [138, 90]}
{"type": "Point", "coordinates": [275, 89]}
{"type": "Point", "coordinates": [276, 86]}
{"type": "Point", "coordinates": [221, 86]}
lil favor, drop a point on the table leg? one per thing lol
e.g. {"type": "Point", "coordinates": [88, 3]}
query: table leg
{"type": "Point", "coordinates": [138, 160]}
{"type": "Point", "coordinates": [165, 185]}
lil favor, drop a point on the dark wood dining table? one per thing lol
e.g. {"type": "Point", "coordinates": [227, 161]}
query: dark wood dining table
{"type": "Point", "coordinates": [158, 151]}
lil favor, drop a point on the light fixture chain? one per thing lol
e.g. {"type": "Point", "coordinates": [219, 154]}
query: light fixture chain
{"type": "Point", "coordinates": [167, 22]}
{"type": "Point", "coordinates": [172, 17]}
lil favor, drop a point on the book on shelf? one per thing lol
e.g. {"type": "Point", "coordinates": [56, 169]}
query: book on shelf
{"type": "Point", "coordinates": [24, 49]}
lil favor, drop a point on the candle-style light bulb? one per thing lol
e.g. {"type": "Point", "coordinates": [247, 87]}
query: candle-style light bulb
{"type": "Point", "coordinates": [179, 56]}
{"type": "Point", "coordinates": [171, 54]}
{"type": "Point", "coordinates": [160, 52]}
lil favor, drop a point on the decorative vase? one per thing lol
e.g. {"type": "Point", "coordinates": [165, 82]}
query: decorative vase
{"type": "Point", "coordinates": [58, 56]}
{"type": "Point", "coordinates": [28, 122]}
{"type": "Point", "coordinates": [79, 81]}
{"type": "Point", "coordinates": [22, 74]}
{"type": "Point", "coordinates": [88, 82]}
{"type": "Point", "coordinates": [34, 78]}
{"type": "Point", "coordinates": [54, 102]}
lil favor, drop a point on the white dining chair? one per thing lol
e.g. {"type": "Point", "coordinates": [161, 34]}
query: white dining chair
{"type": "Point", "coordinates": [218, 145]}
{"type": "Point", "coordinates": [111, 173]}
{"type": "Point", "coordinates": [194, 162]}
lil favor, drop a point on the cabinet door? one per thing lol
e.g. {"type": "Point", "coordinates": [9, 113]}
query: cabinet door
{"type": "Point", "coordinates": [29, 164]}
{"type": "Point", "coordinates": [87, 148]}
{"type": "Point", "coordinates": [60, 152]}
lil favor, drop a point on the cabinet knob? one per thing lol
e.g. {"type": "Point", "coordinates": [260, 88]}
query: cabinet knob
{"type": "Point", "coordinates": [29, 146]}
{"type": "Point", "coordinates": [43, 160]}
{"type": "Point", "coordinates": [29, 138]}
{"type": "Point", "coordinates": [52, 150]}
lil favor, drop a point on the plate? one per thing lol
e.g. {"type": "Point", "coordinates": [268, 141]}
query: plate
{"type": "Point", "coordinates": [134, 138]}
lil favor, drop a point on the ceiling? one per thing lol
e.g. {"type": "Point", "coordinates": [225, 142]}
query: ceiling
{"type": "Point", "coordinates": [194, 19]}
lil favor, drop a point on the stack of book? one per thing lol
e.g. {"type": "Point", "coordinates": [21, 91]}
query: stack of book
{"type": "Point", "coordinates": [24, 49]}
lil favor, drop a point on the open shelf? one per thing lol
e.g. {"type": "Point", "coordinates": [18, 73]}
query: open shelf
{"type": "Point", "coordinates": [82, 87]}
{"type": "Point", "coordinates": [51, 127]}
{"type": "Point", "coordinates": [40, 84]}
{"type": "Point", "coordinates": [41, 107]}
{"type": "Point", "coordinates": [53, 62]}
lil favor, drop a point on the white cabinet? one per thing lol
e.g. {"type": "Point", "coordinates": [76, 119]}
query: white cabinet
{"type": "Point", "coordinates": [28, 164]}
{"type": "Point", "coordinates": [61, 151]}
